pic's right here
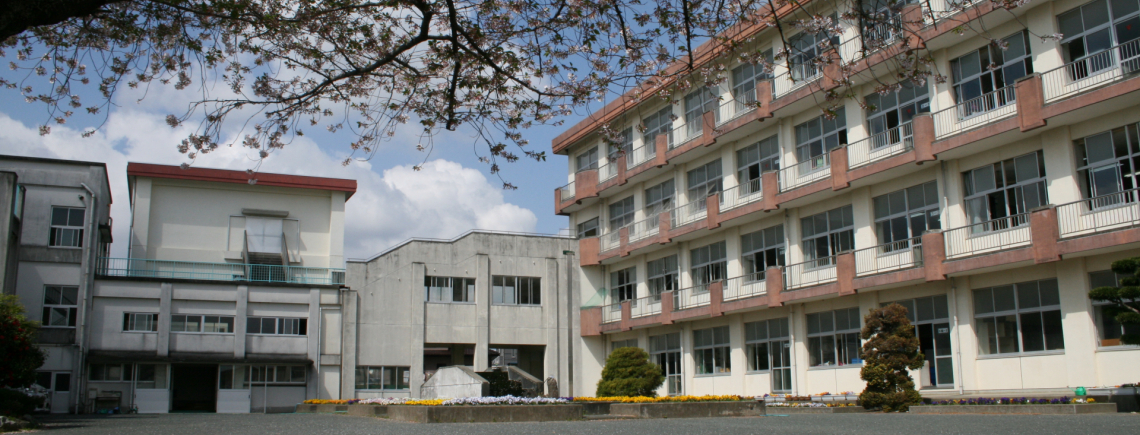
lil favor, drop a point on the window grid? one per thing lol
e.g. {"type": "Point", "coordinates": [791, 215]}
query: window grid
{"type": "Point", "coordinates": [449, 289]}
{"type": "Point", "coordinates": [588, 228]}
{"type": "Point", "coordinates": [895, 108]}
{"type": "Point", "coordinates": [1108, 163]}
{"type": "Point", "coordinates": [817, 137]}
{"type": "Point", "coordinates": [624, 146]}
{"type": "Point", "coordinates": [516, 290]}
{"type": "Point", "coordinates": [665, 351]}
{"type": "Point", "coordinates": [704, 181]}
{"type": "Point", "coordinates": [1109, 330]}
{"type": "Point", "coordinates": [1006, 188]}
{"type": "Point", "coordinates": [66, 227]}
{"type": "Point", "coordinates": [621, 213]}
{"type": "Point", "coordinates": [827, 234]}
{"type": "Point", "coordinates": [762, 249]}
{"type": "Point", "coordinates": [664, 276]}
{"type": "Point", "coordinates": [588, 159]}
{"type": "Point", "coordinates": [746, 76]}
{"type": "Point", "coordinates": [765, 341]}
{"type": "Point", "coordinates": [1023, 317]}
{"type": "Point", "coordinates": [696, 104]}
{"type": "Point", "coordinates": [756, 159]}
{"type": "Point", "coordinates": [656, 124]}
{"type": "Point", "coordinates": [276, 326]}
{"type": "Point", "coordinates": [711, 350]}
{"type": "Point", "coordinates": [262, 375]}
{"type": "Point", "coordinates": [1095, 27]}
{"type": "Point", "coordinates": [708, 265]}
{"type": "Point", "coordinates": [140, 322]}
{"type": "Point", "coordinates": [659, 198]}
{"type": "Point", "coordinates": [974, 77]}
{"type": "Point", "coordinates": [833, 338]}
{"type": "Point", "coordinates": [61, 304]}
{"type": "Point", "coordinates": [906, 214]}
{"type": "Point", "coordinates": [197, 323]}
{"type": "Point", "coordinates": [383, 378]}
{"type": "Point", "coordinates": [623, 285]}
{"type": "Point", "coordinates": [110, 372]}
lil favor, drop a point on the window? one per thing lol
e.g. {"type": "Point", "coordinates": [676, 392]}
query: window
{"type": "Point", "coordinates": [816, 138]}
{"type": "Point", "coordinates": [109, 372]}
{"type": "Point", "coordinates": [990, 68]}
{"type": "Point", "coordinates": [805, 49]}
{"type": "Point", "coordinates": [906, 214]}
{"type": "Point", "coordinates": [827, 234]}
{"type": "Point", "coordinates": [931, 319]}
{"type": "Point", "coordinates": [1108, 329]}
{"type": "Point", "coordinates": [382, 378]}
{"type": "Point", "coordinates": [895, 108]}
{"type": "Point", "coordinates": [1024, 317]}
{"type": "Point", "coordinates": [657, 124]}
{"type": "Point", "coordinates": [659, 198]}
{"type": "Point", "coordinates": [704, 181]}
{"type": "Point", "coordinates": [665, 351]}
{"type": "Point", "coordinates": [588, 228]}
{"type": "Point", "coordinates": [754, 160]}
{"type": "Point", "coordinates": [150, 376]}
{"type": "Point", "coordinates": [504, 357]}
{"type": "Point", "coordinates": [140, 322]}
{"type": "Point", "coordinates": [746, 76]}
{"type": "Point", "coordinates": [709, 265]}
{"type": "Point", "coordinates": [276, 326]}
{"type": "Point", "coordinates": [62, 381]}
{"type": "Point", "coordinates": [588, 159]}
{"type": "Point", "coordinates": [762, 249]}
{"type": "Point", "coordinates": [516, 290]}
{"type": "Point", "coordinates": [663, 276]}
{"type": "Point", "coordinates": [261, 375]}
{"type": "Point", "coordinates": [833, 338]}
{"type": "Point", "coordinates": [200, 323]}
{"type": "Point", "coordinates": [621, 213]}
{"type": "Point", "coordinates": [1108, 165]}
{"type": "Point", "coordinates": [623, 285]}
{"type": "Point", "coordinates": [711, 349]}
{"type": "Point", "coordinates": [696, 104]}
{"type": "Point", "coordinates": [623, 343]}
{"type": "Point", "coordinates": [1003, 189]}
{"type": "Point", "coordinates": [61, 303]}
{"type": "Point", "coordinates": [449, 289]}
{"type": "Point", "coordinates": [767, 345]}
{"type": "Point", "coordinates": [881, 22]}
{"type": "Point", "coordinates": [624, 146]}
{"type": "Point", "coordinates": [66, 227]}
{"type": "Point", "coordinates": [1095, 27]}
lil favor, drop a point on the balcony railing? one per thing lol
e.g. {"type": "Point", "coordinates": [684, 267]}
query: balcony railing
{"type": "Point", "coordinates": [692, 297]}
{"type": "Point", "coordinates": [685, 133]}
{"type": "Point", "coordinates": [989, 236]}
{"type": "Point", "coordinates": [880, 146]}
{"type": "Point", "coordinates": [611, 313]}
{"type": "Point", "coordinates": [1092, 71]}
{"type": "Point", "coordinates": [1102, 213]}
{"type": "Point", "coordinates": [810, 273]}
{"type": "Point", "coordinates": [567, 191]}
{"type": "Point", "coordinates": [889, 257]}
{"type": "Point", "coordinates": [795, 77]}
{"type": "Point", "coordinates": [746, 286]}
{"type": "Point", "coordinates": [641, 155]}
{"type": "Point", "coordinates": [688, 213]}
{"type": "Point", "coordinates": [648, 227]}
{"type": "Point", "coordinates": [806, 172]}
{"type": "Point", "coordinates": [610, 241]}
{"type": "Point", "coordinates": [873, 38]}
{"type": "Point", "coordinates": [646, 306]}
{"type": "Point", "coordinates": [734, 107]}
{"type": "Point", "coordinates": [741, 194]}
{"type": "Point", "coordinates": [607, 171]}
{"type": "Point", "coordinates": [233, 272]}
{"type": "Point", "coordinates": [976, 112]}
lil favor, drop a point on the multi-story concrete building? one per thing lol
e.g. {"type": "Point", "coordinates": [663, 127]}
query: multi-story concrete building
{"type": "Point", "coordinates": [481, 299]}
{"type": "Point", "coordinates": [740, 236]}
{"type": "Point", "coordinates": [219, 303]}
{"type": "Point", "coordinates": [63, 225]}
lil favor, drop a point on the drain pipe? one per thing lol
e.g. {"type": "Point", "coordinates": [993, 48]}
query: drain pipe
{"type": "Point", "coordinates": [84, 290]}
{"type": "Point", "coordinates": [958, 335]}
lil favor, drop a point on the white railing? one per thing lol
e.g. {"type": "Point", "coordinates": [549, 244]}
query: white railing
{"type": "Point", "coordinates": [745, 286]}
{"type": "Point", "coordinates": [872, 39]}
{"type": "Point", "coordinates": [976, 112]}
{"type": "Point", "coordinates": [641, 155]}
{"type": "Point", "coordinates": [688, 213]}
{"type": "Point", "coordinates": [647, 227]}
{"type": "Point", "coordinates": [804, 173]}
{"type": "Point", "coordinates": [1092, 71]}
{"type": "Point", "coordinates": [989, 236]}
{"type": "Point", "coordinates": [889, 257]}
{"type": "Point", "coordinates": [610, 241]}
{"type": "Point", "coordinates": [691, 297]}
{"type": "Point", "coordinates": [567, 191]}
{"type": "Point", "coordinates": [810, 273]}
{"type": "Point", "coordinates": [203, 271]}
{"type": "Point", "coordinates": [1102, 213]}
{"type": "Point", "coordinates": [685, 133]}
{"type": "Point", "coordinates": [734, 108]}
{"type": "Point", "coordinates": [805, 73]}
{"type": "Point", "coordinates": [607, 171]}
{"type": "Point", "coordinates": [611, 313]}
{"type": "Point", "coordinates": [741, 194]}
{"type": "Point", "coordinates": [646, 306]}
{"type": "Point", "coordinates": [881, 145]}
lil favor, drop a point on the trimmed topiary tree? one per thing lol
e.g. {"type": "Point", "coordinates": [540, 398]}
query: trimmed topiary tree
{"type": "Point", "coordinates": [628, 372]}
{"type": "Point", "coordinates": [19, 356]}
{"type": "Point", "coordinates": [1125, 299]}
{"type": "Point", "coordinates": [890, 349]}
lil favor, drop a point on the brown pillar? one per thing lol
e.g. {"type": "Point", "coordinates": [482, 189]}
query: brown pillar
{"type": "Point", "coordinates": [662, 144]}
{"type": "Point", "coordinates": [625, 316]}
{"type": "Point", "coordinates": [1030, 102]}
{"type": "Point", "coordinates": [774, 284]}
{"type": "Point", "coordinates": [716, 296]}
{"type": "Point", "coordinates": [912, 26]}
{"type": "Point", "coordinates": [845, 273]}
{"type": "Point", "coordinates": [663, 225]}
{"type": "Point", "coordinates": [558, 202]}
{"type": "Point", "coordinates": [585, 184]}
{"type": "Point", "coordinates": [622, 160]}
{"type": "Point", "coordinates": [923, 125]}
{"type": "Point", "coordinates": [831, 70]}
{"type": "Point", "coordinates": [623, 236]}
{"type": "Point", "coordinates": [591, 321]}
{"type": "Point", "coordinates": [933, 255]}
{"type": "Point", "coordinates": [764, 100]}
{"type": "Point", "coordinates": [839, 169]}
{"type": "Point", "coordinates": [666, 316]}
{"type": "Point", "coordinates": [769, 190]}
{"type": "Point", "coordinates": [708, 128]}
{"type": "Point", "coordinates": [1045, 233]}
{"type": "Point", "coordinates": [712, 211]}
{"type": "Point", "coordinates": [588, 251]}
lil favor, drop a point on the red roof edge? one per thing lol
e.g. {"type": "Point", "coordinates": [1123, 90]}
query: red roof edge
{"type": "Point", "coordinates": [241, 177]}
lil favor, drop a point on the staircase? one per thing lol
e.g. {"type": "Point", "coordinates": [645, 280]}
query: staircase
{"type": "Point", "coordinates": [265, 267]}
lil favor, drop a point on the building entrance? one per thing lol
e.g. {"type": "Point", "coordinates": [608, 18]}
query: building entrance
{"type": "Point", "coordinates": [194, 387]}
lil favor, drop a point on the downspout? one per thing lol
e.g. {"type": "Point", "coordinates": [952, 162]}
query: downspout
{"type": "Point", "coordinates": [84, 289]}
{"type": "Point", "coordinates": [957, 336]}
{"type": "Point", "coordinates": [569, 325]}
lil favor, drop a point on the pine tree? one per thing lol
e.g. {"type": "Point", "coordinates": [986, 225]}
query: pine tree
{"type": "Point", "coordinates": [890, 349]}
{"type": "Point", "coordinates": [628, 372]}
{"type": "Point", "coordinates": [1125, 298]}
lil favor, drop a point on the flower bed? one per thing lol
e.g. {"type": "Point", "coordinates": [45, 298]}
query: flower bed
{"type": "Point", "coordinates": [466, 401]}
{"type": "Point", "coordinates": [664, 399]}
{"type": "Point", "coordinates": [1012, 401]}
{"type": "Point", "coordinates": [809, 405]}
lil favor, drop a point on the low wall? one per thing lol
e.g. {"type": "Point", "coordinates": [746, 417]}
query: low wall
{"type": "Point", "coordinates": [485, 414]}
{"type": "Point", "coordinates": [744, 408]}
{"type": "Point", "coordinates": [1089, 408]}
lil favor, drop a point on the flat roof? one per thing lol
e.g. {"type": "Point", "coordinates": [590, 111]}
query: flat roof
{"type": "Point", "coordinates": [106, 176]}
{"type": "Point", "coordinates": [241, 177]}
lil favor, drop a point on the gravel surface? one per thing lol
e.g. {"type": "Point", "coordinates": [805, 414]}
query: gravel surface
{"type": "Point", "coordinates": [314, 424]}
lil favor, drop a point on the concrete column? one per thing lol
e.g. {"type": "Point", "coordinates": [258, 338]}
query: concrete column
{"type": "Point", "coordinates": [1078, 323]}
{"type": "Point", "coordinates": [348, 343]}
{"type": "Point", "coordinates": [483, 307]}
{"type": "Point", "coordinates": [798, 327]}
{"type": "Point", "coordinates": [140, 215]}
{"type": "Point", "coordinates": [417, 308]}
{"type": "Point", "coordinates": [792, 233]}
{"type": "Point", "coordinates": [314, 348]}
{"type": "Point", "coordinates": [856, 117]}
{"type": "Point", "coordinates": [943, 96]}
{"type": "Point", "coordinates": [1060, 166]}
{"type": "Point", "coordinates": [737, 357]}
{"type": "Point", "coordinates": [732, 252]}
{"type": "Point", "coordinates": [336, 231]}
{"type": "Point", "coordinates": [688, 363]}
{"type": "Point", "coordinates": [241, 319]}
{"type": "Point", "coordinates": [954, 214]}
{"type": "Point", "coordinates": [728, 166]}
{"type": "Point", "coordinates": [862, 209]}
{"type": "Point", "coordinates": [967, 337]}
{"type": "Point", "coordinates": [164, 295]}
{"type": "Point", "coordinates": [1041, 20]}
{"type": "Point", "coordinates": [552, 308]}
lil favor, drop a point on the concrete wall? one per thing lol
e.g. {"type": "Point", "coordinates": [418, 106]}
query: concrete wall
{"type": "Point", "coordinates": [454, 382]}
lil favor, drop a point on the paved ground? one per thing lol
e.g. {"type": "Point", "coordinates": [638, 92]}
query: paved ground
{"type": "Point", "coordinates": [316, 424]}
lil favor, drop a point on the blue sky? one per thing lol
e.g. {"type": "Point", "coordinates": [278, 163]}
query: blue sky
{"type": "Point", "coordinates": [454, 193]}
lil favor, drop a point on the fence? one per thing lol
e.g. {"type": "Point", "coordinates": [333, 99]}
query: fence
{"type": "Point", "coordinates": [889, 257]}
{"type": "Point", "coordinates": [975, 112]}
{"type": "Point", "coordinates": [881, 145]}
{"type": "Point", "coordinates": [989, 236]}
{"type": "Point", "coordinates": [1092, 71]}
{"type": "Point", "coordinates": [804, 173]}
{"type": "Point", "coordinates": [810, 273]}
{"type": "Point", "coordinates": [1102, 213]}
{"type": "Point", "coordinates": [168, 269]}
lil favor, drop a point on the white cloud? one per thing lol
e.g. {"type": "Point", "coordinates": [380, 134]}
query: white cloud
{"type": "Point", "coordinates": [442, 200]}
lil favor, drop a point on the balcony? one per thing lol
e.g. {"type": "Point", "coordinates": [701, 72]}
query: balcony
{"type": "Point", "coordinates": [223, 272]}
{"type": "Point", "coordinates": [881, 146]}
{"type": "Point", "coordinates": [1100, 214]}
{"type": "Point", "coordinates": [889, 257]}
{"type": "Point", "coordinates": [806, 172]}
{"type": "Point", "coordinates": [1093, 71]}
{"type": "Point", "coordinates": [810, 273]}
{"type": "Point", "coordinates": [989, 236]}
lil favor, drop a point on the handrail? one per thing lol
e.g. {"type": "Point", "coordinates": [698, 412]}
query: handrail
{"type": "Point", "coordinates": [975, 112]}
{"type": "Point", "coordinates": [1109, 212]}
{"type": "Point", "coordinates": [804, 173]}
{"type": "Point", "coordinates": [688, 213]}
{"type": "Point", "coordinates": [1090, 71]}
{"type": "Point", "coordinates": [992, 235]}
{"type": "Point", "coordinates": [811, 273]}
{"type": "Point", "coordinates": [744, 193]}
{"type": "Point", "coordinates": [880, 146]}
{"type": "Point", "coordinates": [206, 271]}
{"type": "Point", "coordinates": [889, 257]}
{"type": "Point", "coordinates": [567, 191]}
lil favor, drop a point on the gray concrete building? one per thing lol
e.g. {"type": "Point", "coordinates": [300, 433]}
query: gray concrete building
{"type": "Point", "coordinates": [482, 299]}
{"type": "Point", "coordinates": [11, 214]}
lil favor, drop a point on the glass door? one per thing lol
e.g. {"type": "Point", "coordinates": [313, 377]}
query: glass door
{"type": "Point", "coordinates": [781, 354]}
{"type": "Point", "coordinates": [670, 363]}
{"type": "Point", "coordinates": [233, 389]}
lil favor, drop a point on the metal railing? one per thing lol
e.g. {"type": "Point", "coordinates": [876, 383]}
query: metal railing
{"type": "Point", "coordinates": [881, 145]}
{"type": "Point", "coordinates": [646, 306]}
{"type": "Point", "coordinates": [647, 227]}
{"type": "Point", "coordinates": [733, 107]}
{"type": "Point", "coordinates": [567, 191]}
{"type": "Point", "coordinates": [889, 257]}
{"type": "Point", "coordinates": [741, 194]}
{"type": "Point", "coordinates": [641, 155]}
{"type": "Point", "coordinates": [609, 241]}
{"type": "Point", "coordinates": [692, 297]}
{"type": "Point", "coordinates": [810, 273]}
{"type": "Point", "coordinates": [1114, 64]}
{"type": "Point", "coordinates": [611, 313]}
{"type": "Point", "coordinates": [685, 133]}
{"type": "Point", "coordinates": [976, 112]}
{"type": "Point", "coordinates": [872, 39]}
{"type": "Point", "coordinates": [745, 286]}
{"type": "Point", "coordinates": [688, 213]}
{"type": "Point", "coordinates": [233, 272]}
{"type": "Point", "coordinates": [989, 236]}
{"type": "Point", "coordinates": [795, 77]}
{"type": "Point", "coordinates": [607, 171]}
{"type": "Point", "coordinates": [1102, 213]}
{"type": "Point", "coordinates": [806, 172]}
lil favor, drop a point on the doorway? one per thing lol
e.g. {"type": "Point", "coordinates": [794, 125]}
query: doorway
{"type": "Point", "coordinates": [194, 387]}
{"type": "Point", "coordinates": [58, 385]}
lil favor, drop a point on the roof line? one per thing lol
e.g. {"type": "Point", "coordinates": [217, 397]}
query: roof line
{"type": "Point", "coordinates": [455, 239]}
{"type": "Point", "coordinates": [152, 170]}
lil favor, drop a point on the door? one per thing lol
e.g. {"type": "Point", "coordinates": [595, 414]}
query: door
{"type": "Point", "coordinates": [934, 343]}
{"type": "Point", "coordinates": [193, 387]}
{"type": "Point", "coordinates": [670, 363]}
{"type": "Point", "coordinates": [781, 368]}
{"type": "Point", "coordinates": [152, 392]}
{"type": "Point", "coordinates": [264, 235]}
{"type": "Point", "coordinates": [233, 390]}
{"type": "Point", "coordinates": [58, 385]}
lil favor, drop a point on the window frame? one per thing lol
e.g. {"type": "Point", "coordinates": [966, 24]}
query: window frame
{"type": "Point", "coordinates": [971, 104]}
{"type": "Point", "coordinates": [840, 339]}
{"type": "Point", "coordinates": [712, 269]}
{"type": "Point", "coordinates": [401, 377]}
{"type": "Point", "coordinates": [1127, 176]}
{"type": "Point", "coordinates": [660, 198]}
{"type": "Point", "coordinates": [700, 184]}
{"type": "Point", "coordinates": [57, 230]}
{"type": "Point", "coordinates": [1112, 25]}
{"type": "Point", "coordinates": [753, 338]}
{"type": "Point", "coordinates": [623, 285]}
{"type": "Point", "coordinates": [279, 325]}
{"type": "Point", "coordinates": [131, 321]}
{"type": "Point", "coordinates": [931, 214]}
{"type": "Point", "coordinates": [746, 76]}
{"type": "Point", "coordinates": [1100, 320]}
{"type": "Point", "coordinates": [621, 213]}
{"type": "Point", "coordinates": [534, 290]}
{"type": "Point", "coordinates": [591, 157]}
{"type": "Point", "coordinates": [585, 228]}
{"type": "Point", "coordinates": [817, 137]}
{"type": "Point", "coordinates": [101, 370]}
{"type": "Point", "coordinates": [838, 240]}
{"type": "Point", "coordinates": [1001, 186]}
{"type": "Point", "coordinates": [718, 352]}
{"type": "Point", "coordinates": [449, 283]}
{"type": "Point", "coordinates": [49, 309]}
{"type": "Point", "coordinates": [658, 123]}
{"type": "Point", "coordinates": [771, 245]}
{"type": "Point", "coordinates": [1017, 313]}
{"type": "Point", "coordinates": [259, 374]}
{"type": "Point", "coordinates": [752, 163]}
{"type": "Point", "coordinates": [660, 278]}
{"type": "Point", "coordinates": [884, 106]}
{"type": "Point", "coordinates": [201, 319]}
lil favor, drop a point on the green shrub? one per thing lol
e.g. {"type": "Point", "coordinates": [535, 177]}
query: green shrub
{"type": "Point", "coordinates": [890, 349]}
{"type": "Point", "coordinates": [628, 372]}
{"type": "Point", "coordinates": [16, 404]}
{"type": "Point", "coordinates": [1124, 299]}
{"type": "Point", "coordinates": [19, 356]}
